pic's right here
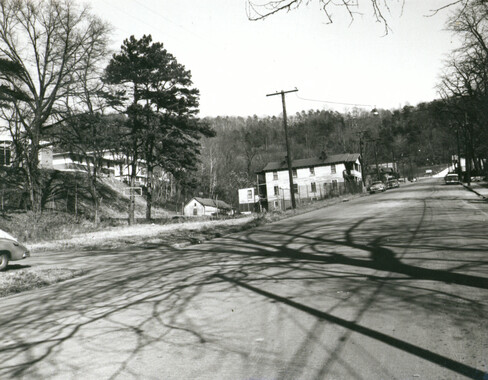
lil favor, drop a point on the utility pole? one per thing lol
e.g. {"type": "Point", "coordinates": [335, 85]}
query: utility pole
{"type": "Point", "coordinates": [459, 169]}
{"type": "Point", "coordinates": [288, 153]}
{"type": "Point", "coordinates": [469, 145]}
{"type": "Point", "coordinates": [376, 158]}
{"type": "Point", "coordinates": [361, 159]}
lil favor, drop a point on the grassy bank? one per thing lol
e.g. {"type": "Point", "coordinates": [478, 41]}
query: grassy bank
{"type": "Point", "coordinates": [17, 281]}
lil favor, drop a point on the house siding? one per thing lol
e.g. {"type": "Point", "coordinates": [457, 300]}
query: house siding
{"type": "Point", "coordinates": [201, 210]}
{"type": "Point", "coordinates": [323, 177]}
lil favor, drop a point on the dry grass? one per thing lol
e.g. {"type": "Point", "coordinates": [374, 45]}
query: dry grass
{"type": "Point", "coordinates": [12, 282]}
{"type": "Point", "coordinates": [149, 233]}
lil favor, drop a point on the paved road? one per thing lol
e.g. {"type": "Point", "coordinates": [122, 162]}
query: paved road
{"type": "Point", "coordinates": [388, 286]}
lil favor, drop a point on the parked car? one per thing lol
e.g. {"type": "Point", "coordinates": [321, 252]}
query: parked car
{"type": "Point", "coordinates": [376, 186]}
{"type": "Point", "coordinates": [451, 178]}
{"type": "Point", "coordinates": [392, 184]}
{"type": "Point", "coordinates": [11, 250]}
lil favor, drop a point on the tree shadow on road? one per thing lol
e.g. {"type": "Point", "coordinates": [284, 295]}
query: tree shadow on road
{"type": "Point", "coordinates": [177, 306]}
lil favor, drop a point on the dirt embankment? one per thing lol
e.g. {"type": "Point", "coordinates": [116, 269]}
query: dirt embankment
{"type": "Point", "coordinates": [177, 234]}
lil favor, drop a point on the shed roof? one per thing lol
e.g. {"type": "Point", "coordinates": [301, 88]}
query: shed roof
{"type": "Point", "coordinates": [213, 203]}
{"type": "Point", "coordinates": [314, 161]}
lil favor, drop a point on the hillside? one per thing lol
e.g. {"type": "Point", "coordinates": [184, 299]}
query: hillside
{"type": "Point", "coordinates": [67, 205]}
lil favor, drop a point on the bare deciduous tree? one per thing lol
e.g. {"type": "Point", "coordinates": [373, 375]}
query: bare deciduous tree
{"type": "Point", "coordinates": [464, 84]}
{"type": "Point", "coordinates": [50, 40]}
{"type": "Point", "coordinates": [379, 9]}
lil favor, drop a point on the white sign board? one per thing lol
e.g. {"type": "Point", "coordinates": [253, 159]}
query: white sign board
{"type": "Point", "coordinates": [246, 195]}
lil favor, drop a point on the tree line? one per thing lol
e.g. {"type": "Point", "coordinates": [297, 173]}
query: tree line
{"type": "Point", "coordinates": [413, 135]}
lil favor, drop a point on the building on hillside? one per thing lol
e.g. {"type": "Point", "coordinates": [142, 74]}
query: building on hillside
{"type": "Point", "coordinates": [112, 165]}
{"type": "Point", "coordinates": [7, 151]}
{"type": "Point", "coordinates": [313, 178]}
{"type": "Point", "coordinates": [206, 207]}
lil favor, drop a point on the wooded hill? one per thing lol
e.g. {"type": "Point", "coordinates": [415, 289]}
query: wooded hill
{"type": "Point", "coordinates": [413, 136]}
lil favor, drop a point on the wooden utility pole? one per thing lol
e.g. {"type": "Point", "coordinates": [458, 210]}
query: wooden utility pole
{"type": "Point", "coordinates": [360, 133]}
{"type": "Point", "coordinates": [376, 158]}
{"type": "Point", "coordinates": [288, 153]}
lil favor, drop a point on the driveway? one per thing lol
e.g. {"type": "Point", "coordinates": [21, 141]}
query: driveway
{"type": "Point", "coordinates": [388, 286]}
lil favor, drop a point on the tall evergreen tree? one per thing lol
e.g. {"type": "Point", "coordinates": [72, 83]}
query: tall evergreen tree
{"type": "Point", "coordinates": [155, 93]}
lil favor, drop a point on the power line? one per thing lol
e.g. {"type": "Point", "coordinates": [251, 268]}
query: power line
{"type": "Point", "coordinates": [332, 102]}
{"type": "Point", "coordinates": [166, 18]}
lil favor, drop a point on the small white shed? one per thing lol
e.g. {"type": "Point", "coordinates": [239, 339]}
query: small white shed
{"type": "Point", "coordinates": [205, 207]}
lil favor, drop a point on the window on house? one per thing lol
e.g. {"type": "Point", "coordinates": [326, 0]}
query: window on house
{"type": "Point", "coordinates": [314, 187]}
{"type": "Point", "coordinates": [294, 173]}
{"type": "Point", "coordinates": [312, 170]}
{"type": "Point", "coordinates": [275, 176]}
{"type": "Point", "coordinates": [195, 211]}
{"type": "Point", "coordinates": [276, 190]}
{"type": "Point", "coordinates": [4, 156]}
{"type": "Point", "coordinates": [334, 184]}
{"type": "Point", "coordinates": [295, 188]}
{"type": "Point", "coordinates": [333, 169]}
{"type": "Point", "coordinates": [249, 194]}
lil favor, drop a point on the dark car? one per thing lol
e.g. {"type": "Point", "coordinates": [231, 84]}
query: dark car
{"type": "Point", "coordinates": [392, 184]}
{"type": "Point", "coordinates": [451, 178]}
{"type": "Point", "coordinates": [376, 186]}
{"type": "Point", "coordinates": [10, 250]}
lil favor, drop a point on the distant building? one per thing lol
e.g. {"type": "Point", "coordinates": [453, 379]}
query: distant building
{"type": "Point", "coordinates": [7, 152]}
{"type": "Point", "coordinates": [248, 200]}
{"type": "Point", "coordinates": [206, 207]}
{"type": "Point", "coordinates": [112, 165]}
{"type": "Point", "coordinates": [313, 178]}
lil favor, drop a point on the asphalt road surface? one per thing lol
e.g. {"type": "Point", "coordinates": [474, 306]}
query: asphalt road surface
{"type": "Point", "coordinates": [387, 286]}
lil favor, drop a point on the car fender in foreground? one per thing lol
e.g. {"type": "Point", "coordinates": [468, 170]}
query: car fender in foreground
{"type": "Point", "coordinates": [11, 250]}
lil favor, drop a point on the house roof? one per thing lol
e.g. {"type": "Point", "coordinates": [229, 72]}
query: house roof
{"type": "Point", "coordinates": [314, 161]}
{"type": "Point", "coordinates": [213, 203]}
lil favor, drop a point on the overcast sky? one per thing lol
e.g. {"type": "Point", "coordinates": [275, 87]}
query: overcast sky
{"type": "Point", "coordinates": [236, 62]}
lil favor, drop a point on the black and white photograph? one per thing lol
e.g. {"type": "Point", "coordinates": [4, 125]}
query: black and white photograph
{"type": "Point", "coordinates": [244, 189]}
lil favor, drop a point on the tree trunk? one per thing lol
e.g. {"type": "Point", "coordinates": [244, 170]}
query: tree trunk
{"type": "Point", "coordinates": [96, 201]}
{"type": "Point", "coordinates": [33, 180]}
{"type": "Point", "coordinates": [149, 193]}
{"type": "Point", "coordinates": [132, 199]}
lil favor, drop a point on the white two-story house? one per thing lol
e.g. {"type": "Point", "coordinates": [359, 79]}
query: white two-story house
{"type": "Point", "coordinates": [313, 178]}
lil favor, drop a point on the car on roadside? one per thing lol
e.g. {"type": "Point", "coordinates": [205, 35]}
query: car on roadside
{"type": "Point", "coordinates": [451, 178]}
{"type": "Point", "coordinates": [11, 250]}
{"type": "Point", "coordinates": [376, 187]}
{"type": "Point", "coordinates": [392, 184]}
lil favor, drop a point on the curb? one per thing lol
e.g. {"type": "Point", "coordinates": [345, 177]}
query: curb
{"type": "Point", "coordinates": [474, 191]}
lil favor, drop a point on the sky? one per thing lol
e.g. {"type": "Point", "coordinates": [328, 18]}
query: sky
{"type": "Point", "coordinates": [235, 62]}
